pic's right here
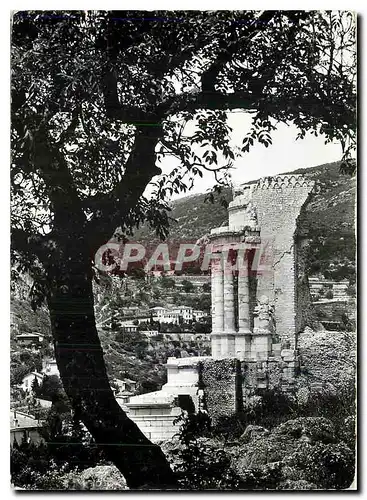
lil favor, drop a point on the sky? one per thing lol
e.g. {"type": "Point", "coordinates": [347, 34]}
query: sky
{"type": "Point", "coordinates": [285, 154]}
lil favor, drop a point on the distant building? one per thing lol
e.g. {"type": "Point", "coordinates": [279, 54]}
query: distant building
{"type": "Point", "coordinates": [157, 312]}
{"type": "Point", "coordinates": [150, 333]}
{"type": "Point", "coordinates": [125, 385]}
{"type": "Point", "coordinates": [130, 311]}
{"type": "Point", "coordinates": [49, 367]}
{"type": "Point", "coordinates": [29, 339]}
{"type": "Point", "coordinates": [185, 312]}
{"type": "Point", "coordinates": [197, 280]}
{"type": "Point", "coordinates": [28, 379]}
{"type": "Point", "coordinates": [165, 315]}
{"type": "Point", "coordinates": [43, 403]}
{"type": "Point", "coordinates": [197, 314]}
{"type": "Point", "coordinates": [176, 314]}
{"type": "Point", "coordinates": [24, 427]}
{"type": "Point", "coordinates": [129, 327]}
{"type": "Point", "coordinates": [338, 288]}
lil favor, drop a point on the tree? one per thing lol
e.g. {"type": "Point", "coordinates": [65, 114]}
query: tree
{"type": "Point", "coordinates": [35, 386]}
{"type": "Point", "coordinates": [98, 99]}
{"type": "Point", "coordinates": [187, 286]}
{"type": "Point", "coordinates": [50, 388]}
{"type": "Point", "coordinates": [167, 282]}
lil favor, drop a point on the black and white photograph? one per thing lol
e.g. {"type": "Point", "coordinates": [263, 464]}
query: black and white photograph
{"type": "Point", "coordinates": [183, 275]}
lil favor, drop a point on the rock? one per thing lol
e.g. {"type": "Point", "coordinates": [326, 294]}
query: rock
{"type": "Point", "coordinates": [310, 429]}
{"type": "Point", "coordinates": [253, 432]}
{"type": "Point", "coordinates": [101, 477]}
{"type": "Point", "coordinates": [262, 451]}
{"type": "Point", "coordinates": [299, 484]}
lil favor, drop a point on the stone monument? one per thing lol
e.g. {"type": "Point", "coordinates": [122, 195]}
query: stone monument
{"type": "Point", "coordinates": [260, 303]}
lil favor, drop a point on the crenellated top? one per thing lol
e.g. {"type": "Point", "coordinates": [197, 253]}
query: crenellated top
{"type": "Point", "coordinates": [242, 193]}
{"type": "Point", "coordinates": [283, 181]}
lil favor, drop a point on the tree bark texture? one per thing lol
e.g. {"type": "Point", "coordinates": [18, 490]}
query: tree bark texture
{"type": "Point", "coordinates": [82, 369]}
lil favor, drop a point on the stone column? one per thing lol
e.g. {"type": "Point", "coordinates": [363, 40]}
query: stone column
{"type": "Point", "coordinates": [243, 298]}
{"type": "Point", "coordinates": [217, 306]}
{"type": "Point", "coordinates": [243, 336]}
{"type": "Point", "coordinates": [229, 309]}
{"type": "Point", "coordinates": [217, 295]}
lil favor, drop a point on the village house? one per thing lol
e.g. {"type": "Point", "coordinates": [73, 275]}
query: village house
{"type": "Point", "coordinates": [29, 339]}
{"type": "Point", "coordinates": [28, 379]}
{"type": "Point", "coordinates": [197, 280]}
{"type": "Point", "coordinates": [24, 427]}
{"type": "Point", "coordinates": [125, 389]}
{"type": "Point", "coordinates": [176, 314]}
{"type": "Point", "coordinates": [128, 327]}
{"type": "Point", "coordinates": [197, 314]}
{"type": "Point", "coordinates": [125, 384]}
{"type": "Point", "coordinates": [337, 288]}
{"type": "Point", "coordinates": [49, 367]}
{"type": "Point", "coordinates": [150, 333]}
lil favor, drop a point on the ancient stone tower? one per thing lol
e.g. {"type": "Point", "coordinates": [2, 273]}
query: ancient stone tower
{"type": "Point", "coordinates": [260, 302]}
{"type": "Point", "coordinates": [259, 293]}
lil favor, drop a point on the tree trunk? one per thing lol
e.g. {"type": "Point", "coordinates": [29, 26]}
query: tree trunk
{"type": "Point", "coordinates": [82, 369]}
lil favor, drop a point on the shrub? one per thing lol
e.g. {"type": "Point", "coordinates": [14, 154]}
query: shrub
{"type": "Point", "coordinates": [187, 286]}
{"type": "Point", "coordinates": [267, 408]}
{"type": "Point", "coordinates": [314, 428]}
{"type": "Point", "coordinates": [38, 466]}
{"type": "Point", "coordinates": [199, 462]}
{"type": "Point", "coordinates": [298, 485]}
{"type": "Point", "coordinates": [330, 466]}
{"type": "Point", "coordinates": [338, 407]}
{"type": "Point", "coordinates": [266, 477]}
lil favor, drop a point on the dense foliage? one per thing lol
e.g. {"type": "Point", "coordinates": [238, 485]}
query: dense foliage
{"type": "Point", "coordinates": [98, 98]}
{"type": "Point", "coordinates": [305, 446]}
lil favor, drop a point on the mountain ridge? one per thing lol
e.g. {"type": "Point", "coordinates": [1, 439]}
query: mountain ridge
{"type": "Point", "coordinates": [330, 217]}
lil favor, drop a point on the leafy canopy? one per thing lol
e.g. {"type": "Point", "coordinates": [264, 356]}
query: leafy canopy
{"type": "Point", "coordinates": [100, 98]}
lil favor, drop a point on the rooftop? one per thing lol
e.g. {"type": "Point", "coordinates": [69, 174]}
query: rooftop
{"type": "Point", "coordinates": [35, 374]}
{"type": "Point", "coordinates": [28, 335]}
{"type": "Point", "coordinates": [23, 420]}
{"type": "Point", "coordinates": [153, 398]}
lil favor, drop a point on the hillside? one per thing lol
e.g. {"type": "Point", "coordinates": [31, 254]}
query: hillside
{"type": "Point", "coordinates": [330, 218]}
{"type": "Point", "coordinates": [191, 218]}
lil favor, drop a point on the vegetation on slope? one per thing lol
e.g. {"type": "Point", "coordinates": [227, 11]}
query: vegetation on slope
{"type": "Point", "coordinates": [330, 217]}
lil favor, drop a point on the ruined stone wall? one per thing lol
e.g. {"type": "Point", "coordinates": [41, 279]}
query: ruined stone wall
{"type": "Point", "coordinates": [328, 360]}
{"type": "Point", "coordinates": [229, 384]}
{"type": "Point", "coordinates": [278, 201]}
{"type": "Point", "coordinates": [305, 313]}
{"type": "Point", "coordinates": [275, 373]}
{"type": "Point", "coordinates": [222, 387]}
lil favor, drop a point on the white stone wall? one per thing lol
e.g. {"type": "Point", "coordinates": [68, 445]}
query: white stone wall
{"type": "Point", "coordinates": [157, 423]}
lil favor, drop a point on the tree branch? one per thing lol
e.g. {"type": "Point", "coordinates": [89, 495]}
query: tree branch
{"type": "Point", "coordinates": [31, 244]}
{"type": "Point", "coordinates": [230, 47]}
{"type": "Point", "coordinates": [110, 209]}
{"type": "Point", "coordinates": [193, 101]}
{"type": "Point", "coordinates": [69, 131]}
